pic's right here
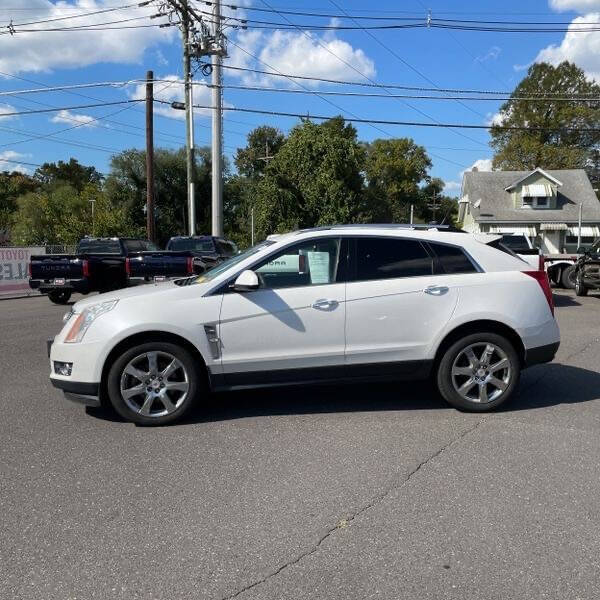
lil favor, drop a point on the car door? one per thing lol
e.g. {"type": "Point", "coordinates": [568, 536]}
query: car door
{"type": "Point", "coordinates": [292, 327]}
{"type": "Point", "coordinates": [395, 305]}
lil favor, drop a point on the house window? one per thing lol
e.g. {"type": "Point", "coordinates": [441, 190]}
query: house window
{"type": "Point", "coordinates": [535, 202]}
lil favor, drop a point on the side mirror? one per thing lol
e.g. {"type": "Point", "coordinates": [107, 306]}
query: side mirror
{"type": "Point", "coordinates": [247, 281]}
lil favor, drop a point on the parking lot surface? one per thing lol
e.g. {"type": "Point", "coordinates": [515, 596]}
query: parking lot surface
{"type": "Point", "coordinates": [370, 491]}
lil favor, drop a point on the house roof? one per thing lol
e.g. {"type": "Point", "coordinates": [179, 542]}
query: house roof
{"type": "Point", "coordinates": [545, 174]}
{"type": "Point", "coordinates": [496, 203]}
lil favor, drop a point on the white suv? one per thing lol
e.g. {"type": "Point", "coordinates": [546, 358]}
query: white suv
{"type": "Point", "coordinates": [339, 303]}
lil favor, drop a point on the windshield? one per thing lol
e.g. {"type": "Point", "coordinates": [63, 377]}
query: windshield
{"type": "Point", "coordinates": [197, 244]}
{"type": "Point", "coordinates": [230, 262]}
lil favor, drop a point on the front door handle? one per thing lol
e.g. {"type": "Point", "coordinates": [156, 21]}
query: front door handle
{"type": "Point", "coordinates": [324, 304]}
{"type": "Point", "coordinates": [436, 290]}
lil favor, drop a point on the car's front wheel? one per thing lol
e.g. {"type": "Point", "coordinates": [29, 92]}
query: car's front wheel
{"type": "Point", "coordinates": [479, 372]}
{"type": "Point", "coordinates": [154, 383]}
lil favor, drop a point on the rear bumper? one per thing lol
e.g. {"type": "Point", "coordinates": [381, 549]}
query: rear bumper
{"type": "Point", "coordinates": [540, 354]}
{"type": "Point", "coordinates": [73, 285]}
{"type": "Point", "coordinates": [82, 393]}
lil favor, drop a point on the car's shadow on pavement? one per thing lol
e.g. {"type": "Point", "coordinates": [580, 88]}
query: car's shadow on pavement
{"type": "Point", "coordinates": [541, 387]}
{"type": "Point", "coordinates": [561, 300]}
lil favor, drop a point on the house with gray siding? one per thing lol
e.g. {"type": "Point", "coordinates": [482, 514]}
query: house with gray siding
{"type": "Point", "coordinates": [543, 205]}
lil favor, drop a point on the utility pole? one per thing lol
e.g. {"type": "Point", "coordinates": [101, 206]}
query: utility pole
{"type": "Point", "coordinates": [93, 203]}
{"type": "Point", "coordinates": [433, 205]}
{"type": "Point", "coordinates": [217, 122]}
{"type": "Point", "coordinates": [150, 229]}
{"type": "Point", "coordinates": [189, 118]}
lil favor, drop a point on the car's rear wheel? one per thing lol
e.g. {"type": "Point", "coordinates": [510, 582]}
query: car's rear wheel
{"type": "Point", "coordinates": [580, 289]}
{"type": "Point", "coordinates": [154, 383]}
{"type": "Point", "coordinates": [59, 296]}
{"type": "Point", "coordinates": [479, 372]}
{"type": "Point", "coordinates": [569, 277]}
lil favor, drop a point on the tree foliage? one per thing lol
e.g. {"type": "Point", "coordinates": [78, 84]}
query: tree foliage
{"type": "Point", "coordinates": [71, 173]}
{"type": "Point", "coordinates": [553, 146]}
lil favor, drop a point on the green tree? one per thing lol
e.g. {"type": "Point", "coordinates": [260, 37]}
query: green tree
{"type": "Point", "coordinates": [12, 185]}
{"type": "Point", "coordinates": [250, 161]}
{"type": "Point", "coordinates": [314, 179]}
{"type": "Point", "coordinates": [126, 184]}
{"type": "Point", "coordinates": [433, 206]}
{"type": "Point", "coordinates": [394, 170]}
{"type": "Point", "coordinates": [553, 147]}
{"type": "Point", "coordinates": [71, 173]}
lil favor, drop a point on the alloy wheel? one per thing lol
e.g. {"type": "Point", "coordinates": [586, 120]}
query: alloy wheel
{"type": "Point", "coordinates": [154, 384]}
{"type": "Point", "coordinates": [481, 372]}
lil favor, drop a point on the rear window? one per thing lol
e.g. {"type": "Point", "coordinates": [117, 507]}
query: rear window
{"type": "Point", "coordinates": [452, 259]}
{"type": "Point", "coordinates": [515, 242]}
{"type": "Point", "coordinates": [139, 246]}
{"type": "Point", "coordinates": [389, 258]}
{"type": "Point", "coordinates": [99, 247]}
{"type": "Point", "coordinates": [198, 245]}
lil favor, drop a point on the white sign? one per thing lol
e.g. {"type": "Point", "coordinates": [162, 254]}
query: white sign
{"type": "Point", "coordinates": [318, 263]}
{"type": "Point", "coordinates": [14, 270]}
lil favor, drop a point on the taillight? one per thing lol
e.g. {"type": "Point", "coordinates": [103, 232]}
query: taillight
{"type": "Point", "coordinates": [29, 270]}
{"type": "Point", "coordinates": [128, 267]}
{"type": "Point", "coordinates": [85, 267]}
{"type": "Point", "coordinates": [190, 264]}
{"type": "Point", "coordinates": [541, 263]}
{"type": "Point", "coordinates": [542, 278]}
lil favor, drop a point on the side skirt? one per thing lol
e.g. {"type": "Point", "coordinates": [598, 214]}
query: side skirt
{"type": "Point", "coordinates": [413, 370]}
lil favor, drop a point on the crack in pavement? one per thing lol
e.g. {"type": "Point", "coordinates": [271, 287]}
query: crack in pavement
{"type": "Point", "coordinates": [372, 503]}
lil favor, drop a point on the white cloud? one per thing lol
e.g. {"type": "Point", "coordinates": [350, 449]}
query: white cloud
{"type": "Point", "coordinates": [6, 108]}
{"type": "Point", "coordinates": [66, 116]}
{"type": "Point", "coordinates": [481, 164]}
{"type": "Point", "coordinates": [452, 188]}
{"type": "Point", "coordinates": [576, 5]}
{"type": "Point", "coordinates": [299, 54]}
{"type": "Point", "coordinates": [496, 118]}
{"type": "Point", "coordinates": [32, 52]}
{"type": "Point", "coordinates": [581, 48]}
{"type": "Point", "coordinates": [174, 92]}
{"type": "Point", "coordinates": [492, 54]}
{"type": "Point", "coordinates": [12, 156]}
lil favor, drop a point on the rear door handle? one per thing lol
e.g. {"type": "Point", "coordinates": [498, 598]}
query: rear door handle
{"type": "Point", "coordinates": [324, 304]}
{"type": "Point", "coordinates": [436, 290]}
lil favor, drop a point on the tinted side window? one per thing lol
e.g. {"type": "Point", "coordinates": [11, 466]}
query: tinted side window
{"type": "Point", "coordinates": [313, 262]}
{"type": "Point", "coordinates": [452, 259]}
{"type": "Point", "coordinates": [388, 258]}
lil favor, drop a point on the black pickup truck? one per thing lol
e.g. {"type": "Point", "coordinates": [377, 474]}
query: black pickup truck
{"type": "Point", "coordinates": [97, 265]}
{"type": "Point", "coordinates": [184, 255]}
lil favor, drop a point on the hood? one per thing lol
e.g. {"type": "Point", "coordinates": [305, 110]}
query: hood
{"type": "Point", "coordinates": [139, 293]}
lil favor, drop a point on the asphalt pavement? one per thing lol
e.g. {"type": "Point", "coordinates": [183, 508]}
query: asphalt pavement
{"type": "Point", "coordinates": [346, 492]}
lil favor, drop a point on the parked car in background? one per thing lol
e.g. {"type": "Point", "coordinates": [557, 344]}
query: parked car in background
{"type": "Point", "coordinates": [97, 265]}
{"type": "Point", "coordinates": [587, 270]}
{"type": "Point", "coordinates": [184, 255]}
{"type": "Point", "coordinates": [341, 303]}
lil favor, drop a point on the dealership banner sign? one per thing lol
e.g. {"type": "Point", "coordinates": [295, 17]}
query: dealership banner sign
{"type": "Point", "coordinates": [13, 270]}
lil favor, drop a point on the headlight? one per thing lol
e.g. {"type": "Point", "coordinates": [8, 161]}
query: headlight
{"type": "Point", "coordinates": [84, 319]}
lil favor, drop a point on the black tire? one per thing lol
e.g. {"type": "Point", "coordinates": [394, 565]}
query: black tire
{"type": "Point", "coordinates": [568, 278]}
{"type": "Point", "coordinates": [580, 289]}
{"type": "Point", "coordinates": [189, 367]}
{"type": "Point", "coordinates": [59, 296]}
{"type": "Point", "coordinates": [445, 379]}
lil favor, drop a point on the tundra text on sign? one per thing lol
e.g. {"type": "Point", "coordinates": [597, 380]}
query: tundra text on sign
{"type": "Point", "coordinates": [13, 269]}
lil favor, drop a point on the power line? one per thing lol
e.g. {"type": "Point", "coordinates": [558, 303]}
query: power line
{"type": "Point", "coordinates": [77, 16]}
{"type": "Point", "coordinates": [48, 110]}
{"type": "Point", "coordinates": [404, 123]}
{"type": "Point", "coordinates": [381, 85]}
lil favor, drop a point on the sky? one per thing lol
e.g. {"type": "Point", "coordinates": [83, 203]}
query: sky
{"type": "Point", "coordinates": [417, 57]}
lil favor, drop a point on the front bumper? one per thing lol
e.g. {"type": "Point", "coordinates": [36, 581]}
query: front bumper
{"type": "Point", "coordinates": [82, 393]}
